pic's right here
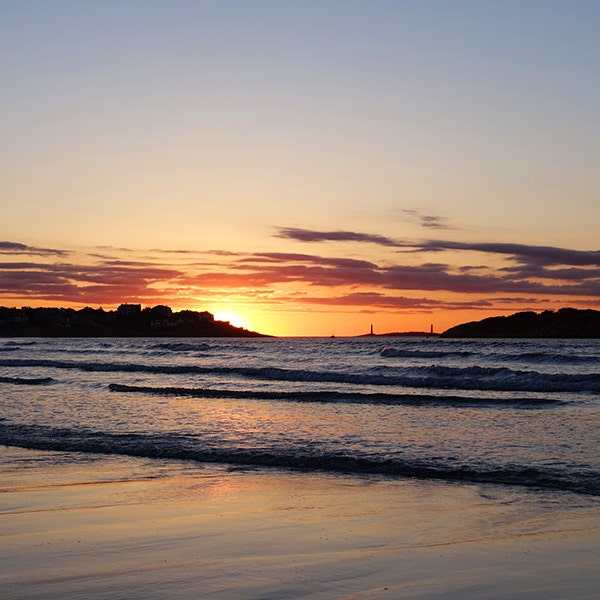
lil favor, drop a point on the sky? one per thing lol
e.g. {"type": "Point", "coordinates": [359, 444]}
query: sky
{"type": "Point", "coordinates": [304, 167]}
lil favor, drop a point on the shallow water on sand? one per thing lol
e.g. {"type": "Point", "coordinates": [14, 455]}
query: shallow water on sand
{"type": "Point", "coordinates": [83, 526]}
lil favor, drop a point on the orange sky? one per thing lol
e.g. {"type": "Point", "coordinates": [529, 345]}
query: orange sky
{"type": "Point", "coordinates": [306, 168]}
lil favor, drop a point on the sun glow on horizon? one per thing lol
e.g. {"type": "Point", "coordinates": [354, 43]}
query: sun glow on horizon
{"type": "Point", "coordinates": [231, 316]}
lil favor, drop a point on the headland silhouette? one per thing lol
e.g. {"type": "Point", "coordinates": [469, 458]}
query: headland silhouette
{"type": "Point", "coordinates": [564, 323]}
{"type": "Point", "coordinates": [129, 320]}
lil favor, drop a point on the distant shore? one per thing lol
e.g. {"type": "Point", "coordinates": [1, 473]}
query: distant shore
{"type": "Point", "coordinates": [564, 323]}
{"type": "Point", "coordinates": [401, 334]}
{"type": "Point", "coordinates": [129, 320]}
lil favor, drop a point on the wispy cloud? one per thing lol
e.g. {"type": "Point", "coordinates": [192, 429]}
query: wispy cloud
{"type": "Point", "coordinates": [383, 301]}
{"type": "Point", "coordinates": [426, 220]}
{"type": "Point", "coordinates": [540, 255]}
{"type": "Point", "coordinates": [308, 235]}
{"type": "Point", "coordinates": [17, 248]}
{"type": "Point", "coordinates": [340, 263]}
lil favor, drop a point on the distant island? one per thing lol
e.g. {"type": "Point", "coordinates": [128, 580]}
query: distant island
{"type": "Point", "coordinates": [400, 333]}
{"type": "Point", "coordinates": [564, 323]}
{"type": "Point", "coordinates": [129, 320]}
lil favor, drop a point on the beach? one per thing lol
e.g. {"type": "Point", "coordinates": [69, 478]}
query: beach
{"type": "Point", "coordinates": [98, 526]}
{"type": "Point", "coordinates": [299, 300]}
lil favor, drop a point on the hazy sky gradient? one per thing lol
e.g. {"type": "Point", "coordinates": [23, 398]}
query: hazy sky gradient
{"type": "Point", "coordinates": [302, 167]}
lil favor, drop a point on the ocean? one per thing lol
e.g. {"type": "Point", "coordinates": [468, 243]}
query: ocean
{"type": "Point", "coordinates": [522, 413]}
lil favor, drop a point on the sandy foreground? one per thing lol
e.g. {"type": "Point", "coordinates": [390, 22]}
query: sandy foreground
{"type": "Point", "coordinates": [74, 526]}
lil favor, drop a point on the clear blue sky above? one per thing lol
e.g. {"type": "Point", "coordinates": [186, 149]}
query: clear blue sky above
{"type": "Point", "coordinates": [233, 153]}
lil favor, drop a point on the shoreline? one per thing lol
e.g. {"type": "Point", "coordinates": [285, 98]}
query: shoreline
{"type": "Point", "coordinates": [80, 526]}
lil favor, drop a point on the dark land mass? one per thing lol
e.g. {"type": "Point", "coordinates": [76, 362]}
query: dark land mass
{"type": "Point", "coordinates": [564, 323]}
{"type": "Point", "coordinates": [401, 334]}
{"type": "Point", "coordinates": [129, 320]}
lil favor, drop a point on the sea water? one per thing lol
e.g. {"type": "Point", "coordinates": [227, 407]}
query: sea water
{"type": "Point", "coordinates": [505, 412]}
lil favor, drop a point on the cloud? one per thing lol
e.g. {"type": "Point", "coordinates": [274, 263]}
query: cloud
{"type": "Point", "coordinates": [307, 235]}
{"type": "Point", "coordinates": [534, 261]}
{"type": "Point", "coordinates": [529, 275]}
{"type": "Point", "coordinates": [81, 283]}
{"type": "Point", "coordinates": [427, 221]}
{"type": "Point", "coordinates": [13, 247]}
{"type": "Point", "coordinates": [565, 274]}
{"type": "Point", "coordinates": [541, 255]}
{"type": "Point", "coordinates": [383, 301]}
{"type": "Point", "coordinates": [432, 222]}
{"type": "Point", "coordinates": [268, 269]}
{"type": "Point", "coordinates": [340, 263]}
{"type": "Point", "coordinates": [437, 277]}
{"type": "Point", "coordinates": [18, 248]}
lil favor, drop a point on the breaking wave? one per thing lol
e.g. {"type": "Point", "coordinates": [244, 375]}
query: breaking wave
{"type": "Point", "coordinates": [435, 376]}
{"type": "Point", "coordinates": [525, 357]}
{"type": "Point", "coordinates": [350, 397]}
{"type": "Point", "coordinates": [27, 381]}
{"type": "Point", "coordinates": [391, 352]}
{"type": "Point", "coordinates": [174, 446]}
{"type": "Point", "coordinates": [182, 347]}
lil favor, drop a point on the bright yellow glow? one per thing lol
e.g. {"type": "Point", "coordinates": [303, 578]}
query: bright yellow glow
{"type": "Point", "coordinates": [231, 316]}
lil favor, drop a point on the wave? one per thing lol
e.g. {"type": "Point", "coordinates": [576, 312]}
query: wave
{"type": "Point", "coordinates": [173, 446]}
{"type": "Point", "coordinates": [181, 347]}
{"type": "Point", "coordinates": [27, 381]}
{"type": "Point", "coordinates": [328, 396]}
{"type": "Point", "coordinates": [526, 357]}
{"type": "Point", "coordinates": [391, 352]}
{"type": "Point", "coordinates": [548, 357]}
{"type": "Point", "coordinates": [500, 379]}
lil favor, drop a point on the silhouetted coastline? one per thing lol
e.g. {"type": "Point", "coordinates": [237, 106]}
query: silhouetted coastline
{"type": "Point", "coordinates": [401, 334]}
{"type": "Point", "coordinates": [564, 323]}
{"type": "Point", "coordinates": [129, 320]}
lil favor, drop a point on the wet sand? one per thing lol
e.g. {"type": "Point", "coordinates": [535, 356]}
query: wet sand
{"type": "Point", "coordinates": [95, 527]}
